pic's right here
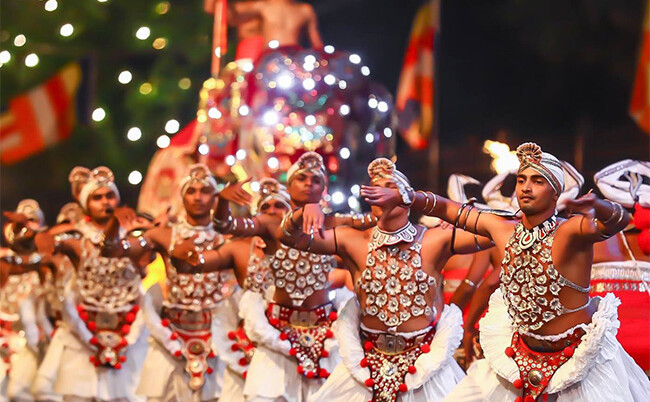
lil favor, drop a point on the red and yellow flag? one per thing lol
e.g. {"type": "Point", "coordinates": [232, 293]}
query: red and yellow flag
{"type": "Point", "coordinates": [41, 117]}
{"type": "Point", "coordinates": [416, 88]}
{"type": "Point", "coordinates": [640, 102]}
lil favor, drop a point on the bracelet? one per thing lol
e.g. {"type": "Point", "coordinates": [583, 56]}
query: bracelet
{"type": "Point", "coordinates": [223, 226]}
{"type": "Point", "coordinates": [470, 283]}
{"type": "Point", "coordinates": [614, 213]}
{"type": "Point", "coordinates": [467, 216]}
{"type": "Point", "coordinates": [478, 246]}
{"type": "Point", "coordinates": [426, 200]}
{"type": "Point", "coordinates": [435, 202]}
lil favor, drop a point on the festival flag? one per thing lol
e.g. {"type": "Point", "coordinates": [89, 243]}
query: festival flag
{"type": "Point", "coordinates": [415, 91]}
{"type": "Point", "coordinates": [41, 117]}
{"type": "Point", "coordinates": [640, 102]}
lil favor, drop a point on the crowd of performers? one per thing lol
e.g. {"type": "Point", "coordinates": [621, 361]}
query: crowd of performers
{"type": "Point", "coordinates": [287, 303]}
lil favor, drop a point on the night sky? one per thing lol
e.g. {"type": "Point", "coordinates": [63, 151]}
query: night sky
{"type": "Point", "coordinates": [554, 72]}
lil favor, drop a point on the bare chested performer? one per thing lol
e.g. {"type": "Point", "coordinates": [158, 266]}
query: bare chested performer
{"type": "Point", "coordinates": [543, 334]}
{"type": "Point", "coordinates": [282, 20]}
{"type": "Point", "coordinates": [398, 341]}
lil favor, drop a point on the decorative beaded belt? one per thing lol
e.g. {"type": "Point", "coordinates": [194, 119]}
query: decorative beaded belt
{"type": "Point", "coordinates": [537, 368]}
{"type": "Point", "coordinates": [109, 331]}
{"type": "Point", "coordinates": [307, 331]}
{"type": "Point", "coordinates": [193, 330]}
{"type": "Point", "coordinates": [244, 344]}
{"type": "Point", "coordinates": [390, 358]}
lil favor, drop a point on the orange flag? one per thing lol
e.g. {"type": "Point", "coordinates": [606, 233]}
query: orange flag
{"type": "Point", "coordinates": [41, 117]}
{"type": "Point", "coordinates": [640, 102]}
{"type": "Point", "coordinates": [416, 88]}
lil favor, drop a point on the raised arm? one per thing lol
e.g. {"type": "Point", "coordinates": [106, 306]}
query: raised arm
{"type": "Point", "coordinates": [464, 216]}
{"type": "Point", "coordinates": [225, 223]}
{"type": "Point", "coordinates": [186, 258]}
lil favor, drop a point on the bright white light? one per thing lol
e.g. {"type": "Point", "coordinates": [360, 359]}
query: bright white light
{"type": "Point", "coordinates": [247, 67]}
{"type": "Point", "coordinates": [388, 132]}
{"type": "Point", "coordinates": [372, 102]}
{"type": "Point", "coordinates": [31, 60]}
{"type": "Point", "coordinates": [270, 118]}
{"type": "Point", "coordinates": [230, 160]}
{"type": "Point", "coordinates": [163, 141]}
{"type": "Point", "coordinates": [370, 137]}
{"type": "Point", "coordinates": [99, 114]}
{"type": "Point", "coordinates": [329, 49]}
{"type": "Point", "coordinates": [135, 177]}
{"type": "Point", "coordinates": [274, 44]}
{"type": "Point", "coordinates": [214, 113]}
{"type": "Point", "coordinates": [285, 80]}
{"type": "Point", "coordinates": [382, 107]}
{"type": "Point", "coordinates": [243, 110]}
{"type": "Point", "coordinates": [344, 153]}
{"type": "Point", "coordinates": [66, 30]}
{"type": "Point", "coordinates": [101, 1]}
{"type": "Point", "coordinates": [273, 162]}
{"type": "Point", "coordinates": [309, 84]}
{"type": "Point", "coordinates": [310, 119]}
{"type": "Point", "coordinates": [338, 197]}
{"type": "Point", "coordinates": [125, 77]}
{"type": "Point", "coordinates": [310, 59]}
{"type": "Point", "coordinates": [355, 58]}
{"type": "Point", "coordinates": [329, 79]}
{"type": "Point", "coordinates": [343, 84]}
{"type": "Point", "coordinates": [365, 71]}
{"type": "Point", "coordinates": [308, 67]}
{"type": "Point", "coordinates": [51, 5]}
{"type": "Point", "coordinates": [504, 159]}
{"type": "Point", "coordinates": [344, 110]}
{"type": "Point", "coordinates": [172, 126]}
{"type": "Point", "coordinates": [255, 186]}
{"type": "Point", "coordinates": [143, 33]}
{"type": "Point", "coordinates": [241, 154]}
{"type": "Point", "coordinates": [19, 40]}
{"type": "Point", "coordinates": [353, 203]}
{"type": "Point", "coordinates": [5, 56]}
{"type": "Point", "coordinates": [204, 149]}
{"type": "Point", "coordinates": [356, 190]}
{"type": "Point", "coordinates": [134, 134]}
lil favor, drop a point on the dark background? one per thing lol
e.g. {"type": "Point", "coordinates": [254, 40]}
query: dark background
{"type": "Point", "coordinates": [559, 73]}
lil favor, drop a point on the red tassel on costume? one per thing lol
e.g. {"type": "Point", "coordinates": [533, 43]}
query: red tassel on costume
{"type": "Point", "coordinates": [283, 336]}
{"type": "Point", "coordinates": [173, 336]}
{"type": "Point", "coordinates": [510, 352]}
{"type": "Point", "coordinates": [568, 351]}
{"type": "Point", "coordinates": [274, 321]}
{"type": "Point", "coordinates": [292, 352]}
{"type": "Point", "coordinates": [178, 353]}
{"type": "Point", "coordinates": [323, 373]}
{"type": "Point", "coordinates": [135, 309]}
{"type": "Point", "coordinates": [368, 346]}
{"type": "Point", "coordinates": [243, 361]}
{"type": "Point", "coordinates": [310, 374]}
{"type": "Point", "coordinates": [124, 343]}
{"type": "Point", "coordinates": [210, 370]}
{"type": "Point", "coordinates": [329, 334]}
{"type": "Point", "coordinates": [425, 348]}
{"type": "Point", "coordinates": [93, 341]}
{"type": "Point", "coordinates": [92, 325]}
{"type": "Point", "coordinates": [164, 322]}
{"type": "Point", "coordinates": [403, 387]}
{"type": "Point", "coordinates": [518, 383]}
{"type": "Point", "coordinates": [370, 382]}
{"type": "Point", "coordinates": [118, 366]}
{"type": "Point", "coordinates": [234, 347]}
{"type": "Point", "coordinates": [232, 336]}
{"type": "Point", "coordinates": [300, 370]}
{"type": "Point", "coordinates": [324, 353]}
{"type": "Point", "coordinates": [363, 362]}
{"type": "Point", "coordinates": [126, 328]}
{"type": "Point", "coordinates": [123, 359]}
{"type": "Point", "coordinates": [333, 316]}
{"type": "Point", "coordinates": [211, 354]}
{"type": "Point", "coordinates": [130, 317]}
{"type": "Point", "coordinates": [412, 370]}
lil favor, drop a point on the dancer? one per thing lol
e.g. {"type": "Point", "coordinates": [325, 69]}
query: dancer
{"type": "Point", "coordinates": [543, 336]}
{"type": "Point", "coordinates": [301, 307]}
{"type": "Point", "coordinates": [20, 268]}
{"type": "Point", "coordinates": [399, 339]}
{"type": "Point", "coordinates": [102, 338]}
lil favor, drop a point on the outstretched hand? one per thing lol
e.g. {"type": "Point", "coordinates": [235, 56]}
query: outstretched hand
{"type": "Point", "coordinates": [235, 192]}
{"type": "Point", "coordinates": [313, 219]}
{"type": "Point", "coordinates": [381, 196]}
{"type": "Point", "coordinates": [185, 250]}
{"type": "Point", "coordinates": [16, 217]}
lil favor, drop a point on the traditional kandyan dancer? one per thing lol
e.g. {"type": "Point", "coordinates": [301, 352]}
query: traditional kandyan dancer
{"type": "Point", "coordinates": [50, 306]}
{"type": "Point", "coordinates": [102, 338]}
{"type": "Point", "coordinates": [398, 340]}
{"type": "Point", "coordinates": [543, 336]}
{"type": "Point", "coordinates": [20, 335]}
{"type": "Point", "coordinates": [622, 264]}
{"type": "Point", "coordinates": [182, 363]}
{"type": "Point", "coordinates": [247, 257]}
{"type": "Point", "coordinates": [295, 346]}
